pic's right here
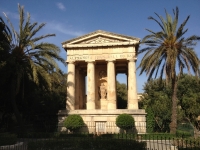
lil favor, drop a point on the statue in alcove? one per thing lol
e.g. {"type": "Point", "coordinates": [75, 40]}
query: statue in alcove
{"type": "Point", "coordinates": [102, 91]}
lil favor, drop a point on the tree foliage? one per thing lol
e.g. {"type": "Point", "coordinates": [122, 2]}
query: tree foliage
{"type": "Point", "coordinates": [4, 39]}
{"type": "Point", "coordinates": [121, 95]}
{"type": "Point", "coordinates": [38, 107]}
{"type": "Point", "coordinates": [168, 53]}
{"type": "Point", "coordinates": [157, 101]}
{"type": "Point", "coordinates": [189, 98]}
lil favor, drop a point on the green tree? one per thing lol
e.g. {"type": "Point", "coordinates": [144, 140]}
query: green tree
{"type": "Point", "coordinates": [29, 57]}
{"type": "Point", "coordinates": [39, 107]}
{"type": "Point", "coordinates": [156, 101]}
{"type": "Point", "coordinates": [189, 98]}
{"type": "Point", "coordinates": [169, 53]}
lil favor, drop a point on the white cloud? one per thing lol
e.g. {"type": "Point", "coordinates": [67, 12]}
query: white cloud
{"type": "Point", "coordinates": [60, 6]}
{"type": "Point", "coordinates": [63, 29]}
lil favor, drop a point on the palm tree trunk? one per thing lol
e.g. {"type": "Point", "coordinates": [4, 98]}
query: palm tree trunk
{"type": "Point", "coordinates": [14, 104]}
{"type": "Point", "coordinates": [173, 124]}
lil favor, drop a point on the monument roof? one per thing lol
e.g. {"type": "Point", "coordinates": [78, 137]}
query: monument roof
{"type": "Point", "coordinates": [100, 38]}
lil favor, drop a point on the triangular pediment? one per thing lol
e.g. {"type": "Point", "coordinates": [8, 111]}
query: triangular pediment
{"type": "Point", "coordinates": [100, 38]}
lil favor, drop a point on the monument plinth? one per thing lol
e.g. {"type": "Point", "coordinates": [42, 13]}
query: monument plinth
{"type": "Point", "coordinates": [104, 103]}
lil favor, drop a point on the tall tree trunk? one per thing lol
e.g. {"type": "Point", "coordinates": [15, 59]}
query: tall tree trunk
{"type": "Point", "coordinates": [173, 124]}
{"type": "Point", "coordinates": [14, 104]}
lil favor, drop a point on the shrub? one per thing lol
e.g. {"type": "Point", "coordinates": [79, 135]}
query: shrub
{"type": "Point", "coordinates": [185, 130]}
{"type": "Point", "coordinates": [157, 136]}
{"type": "Point", "coordinates": [125, 121]}
{"type": "Point", "coordinates": [150, 120]}
{"type": "Point", "coordinates": [73, 122]}
{"type": "Point", "coordinates": [183, 134]}
{"type": "Point", "coordinates": [7, 139]}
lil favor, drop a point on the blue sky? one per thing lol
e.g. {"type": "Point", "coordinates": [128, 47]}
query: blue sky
{"type": "Point", "coordinates": [72, 18]}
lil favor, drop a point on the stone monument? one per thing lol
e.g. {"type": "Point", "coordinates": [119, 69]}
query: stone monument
{"type": "Point", "coordinates": [93, 62]}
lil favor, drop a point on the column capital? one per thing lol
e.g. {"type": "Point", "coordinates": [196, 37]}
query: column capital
{"type": "Point", "coordinates": [132, 59]}
{"type": "Point", "coordinates": [110, 60]}
{"type": "Point", "coordinates": [90, 61]}
{"type": "Point", "coordinates": [70, 62]}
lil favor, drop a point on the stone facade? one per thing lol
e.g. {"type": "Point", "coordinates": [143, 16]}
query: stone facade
{"type": "Point", "coordinates": [93, 63]}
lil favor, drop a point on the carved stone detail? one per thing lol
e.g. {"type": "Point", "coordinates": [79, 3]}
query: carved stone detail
{"type": "Point", "coordinates": [100, 40]}
{"type": "Point", "coordinates": [102, 74]}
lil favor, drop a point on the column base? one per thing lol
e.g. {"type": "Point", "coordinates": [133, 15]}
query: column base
{"type": "Point", "coordinates": [90, 105]}
{"type": "Point", "coordinates": [112, 105]}
{"type": "Point", "coordinates": [69, 106]}
{"type": "Point", "coordinates": [103, 103]}
{"type": "Point", "coordinates": [133, 104]}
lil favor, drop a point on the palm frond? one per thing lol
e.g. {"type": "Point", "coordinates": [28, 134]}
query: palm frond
{"type": "Point", "coordinates": [15, 36]}
{"type": "Point", "coordinates": [161, 25]}
{"type": "Point", "coordinates": [175, 21]}
{"type": "Point", "coordinates": [167, 49]}
{"type": "Point", "coordinates": [36, 58]}
{"type": "Point", "coordinates": [180, 29]}
{"type": "Point", "coordinates": [42, 37]}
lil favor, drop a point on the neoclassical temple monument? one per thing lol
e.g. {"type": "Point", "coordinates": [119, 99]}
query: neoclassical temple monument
{"type": "Point", "coordinates": [94, 60]}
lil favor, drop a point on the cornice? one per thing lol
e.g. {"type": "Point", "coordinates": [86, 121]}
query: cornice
{"type": "Point", "coordinates": [103, 33]}
{"type": "Point", "coordinates": [99, 44]}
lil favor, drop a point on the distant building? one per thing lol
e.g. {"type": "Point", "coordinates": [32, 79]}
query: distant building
{"type": "Point", "coordinates": [139, 96]}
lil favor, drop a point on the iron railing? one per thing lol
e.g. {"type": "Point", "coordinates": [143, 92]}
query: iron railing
{"type": "Point", "coordinates": [103, 141]}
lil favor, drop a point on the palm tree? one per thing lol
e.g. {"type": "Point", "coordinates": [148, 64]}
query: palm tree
{"type": "Point", "coordinates": [29, 57]}
{"type": "Point", "coordinates": [4, 40]}
{"type": "Point", "coordinates": [169, 53]}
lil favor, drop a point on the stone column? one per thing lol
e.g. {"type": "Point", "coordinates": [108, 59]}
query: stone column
{"type": "Point", "coordinates": [90, 85]}
{"type": "Point", "coordinates": [84, 94]}
{"type": "Point", "coordinates": [111, 82]}
{"type": "Point", "coordinates": [70, 103]}
{"type": "Point", "coordinates": [132, 85]}
{"type": "Point", "coordinates": [127, 81]}
{"type": "Point", "coordinates": [81, 89]}
{"type": "Point", "coordinates": [77, 85]}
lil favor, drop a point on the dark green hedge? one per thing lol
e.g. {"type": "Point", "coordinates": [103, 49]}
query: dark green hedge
{"type": "Point", "coordinates": [87, 144]}
{"type": "Point", "coordinates": [183, 134]}
{"type": "Point", "coordinates": [7, 139]}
